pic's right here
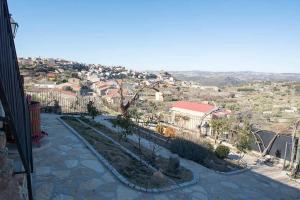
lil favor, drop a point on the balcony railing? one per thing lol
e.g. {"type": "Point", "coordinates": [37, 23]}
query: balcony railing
{"type": "Point", "coordinates": [12, 93]}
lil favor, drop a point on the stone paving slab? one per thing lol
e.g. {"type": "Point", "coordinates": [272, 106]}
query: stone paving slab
{"type": "Point", "coordinates": [67, 170]}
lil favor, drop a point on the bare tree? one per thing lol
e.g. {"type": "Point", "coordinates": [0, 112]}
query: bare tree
{"type": "Point", "coordinates": [136, 115]}
{"type": "Point", "coordinates": [125, 105]}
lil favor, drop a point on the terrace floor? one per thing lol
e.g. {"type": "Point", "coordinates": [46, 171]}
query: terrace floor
{"type": "Point", "coordinates": [66, 170]}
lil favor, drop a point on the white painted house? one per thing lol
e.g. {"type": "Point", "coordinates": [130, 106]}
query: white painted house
{"type": "Point", "coordinates": [189, 115]}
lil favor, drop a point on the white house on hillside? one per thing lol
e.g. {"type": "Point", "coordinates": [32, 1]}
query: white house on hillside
{"type": "Point", "coordinates": [190, 114]}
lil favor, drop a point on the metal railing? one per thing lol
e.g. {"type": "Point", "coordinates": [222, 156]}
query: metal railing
{"type": "Point", "coordinates": [68, 102]}
{"type": "Point", "coordinates": [12, 94]}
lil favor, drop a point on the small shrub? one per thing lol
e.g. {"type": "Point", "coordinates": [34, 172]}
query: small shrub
{"type": "Point", "coordinates": [170, 132]}
{"type": "Point", "coordinates": [126, 125]}
{"type": "Point", "coordinates": [222, 151]}
{"type": "Point", "coordinates": [160, 129]}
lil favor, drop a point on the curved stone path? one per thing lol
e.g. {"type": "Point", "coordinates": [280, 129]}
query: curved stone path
{"type": "Point", "coordinates": [67, 170]}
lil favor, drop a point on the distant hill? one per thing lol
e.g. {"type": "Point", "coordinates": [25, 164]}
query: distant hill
{"type": "Point", "coordinates": [232, 78]}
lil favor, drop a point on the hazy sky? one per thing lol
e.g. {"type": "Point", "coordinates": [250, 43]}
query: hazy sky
{"type": "Point", "coordinates": [224, 35]}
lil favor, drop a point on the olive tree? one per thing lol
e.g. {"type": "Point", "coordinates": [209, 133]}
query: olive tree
{"type": "Point", "coordinates": [219, 126]}
{"type": "Point", "coordinates": [244, 140]}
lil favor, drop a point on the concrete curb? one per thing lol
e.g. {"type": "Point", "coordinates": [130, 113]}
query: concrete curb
{"type": "Point", "coordinates": [121, 178]}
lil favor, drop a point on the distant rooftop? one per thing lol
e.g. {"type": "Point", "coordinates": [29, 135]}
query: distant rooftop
{"type": "Point", "coordinates": [197, 107]}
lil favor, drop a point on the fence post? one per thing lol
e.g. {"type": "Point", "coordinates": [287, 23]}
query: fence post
{"type": "Point", "coordinates": [283, 167]}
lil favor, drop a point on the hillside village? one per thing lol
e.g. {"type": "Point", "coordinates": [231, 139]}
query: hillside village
{"type": "Point", "coordinates": [268, 103]}
{"type": "Point", "coordinates": [257, 117]}
{"type": "Point", "coordinates": [270, 108]}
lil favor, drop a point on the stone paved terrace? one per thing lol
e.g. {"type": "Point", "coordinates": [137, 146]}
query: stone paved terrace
{"type": "Point", "coordinates": [65, 170]}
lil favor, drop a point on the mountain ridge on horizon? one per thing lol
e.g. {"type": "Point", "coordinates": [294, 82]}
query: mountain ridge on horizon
{"type": "Point", "coordinates": [229, 71]}
{"type": "Point", "coordinates": [233, 78]}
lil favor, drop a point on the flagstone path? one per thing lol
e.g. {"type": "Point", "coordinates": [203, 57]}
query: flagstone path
{"type": "Point", "coordinates": [66, 170]}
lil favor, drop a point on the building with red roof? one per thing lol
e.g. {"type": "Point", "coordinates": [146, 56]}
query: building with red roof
{"type": "Point", "coordinates": [190, 114]}
{"type": "Point", "coordinates": [198, 108]}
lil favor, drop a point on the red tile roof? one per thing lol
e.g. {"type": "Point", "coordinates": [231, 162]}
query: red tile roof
{"type": "Point", "coordinates": [198, 107]}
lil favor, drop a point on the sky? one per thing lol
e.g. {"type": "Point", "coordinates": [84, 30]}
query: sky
{"type": "Point", "coordinates": [210, 35]}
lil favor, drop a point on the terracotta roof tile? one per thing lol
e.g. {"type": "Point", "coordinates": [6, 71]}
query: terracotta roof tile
{"type": "Point", "coordinates": [198, 107]}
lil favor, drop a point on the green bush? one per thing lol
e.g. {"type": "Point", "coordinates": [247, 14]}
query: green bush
{"type": "Point", "coordinates": [222, 151]}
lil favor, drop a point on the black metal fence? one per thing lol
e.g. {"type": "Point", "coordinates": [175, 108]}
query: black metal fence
{"type": "Point", "coordinates": [12, 93]}
{"type": "Point", "coordinates": [67, 102]}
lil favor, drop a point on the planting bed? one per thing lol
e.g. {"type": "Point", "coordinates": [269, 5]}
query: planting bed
{"type": "Point", "coordinates": [158, 162]}
{"type": "Point", "coordinates": [128, 166]}
{"type": "Point", "coordinates": [125, 164]}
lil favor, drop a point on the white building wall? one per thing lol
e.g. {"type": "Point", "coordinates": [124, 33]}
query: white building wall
{"type": "Point", "coordinates": [194, 119]}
